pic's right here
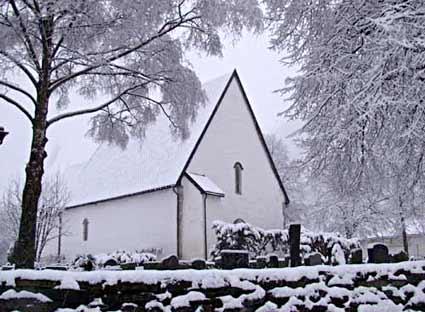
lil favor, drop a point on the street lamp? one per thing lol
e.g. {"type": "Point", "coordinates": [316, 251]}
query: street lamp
{"type": "Point", "coordinates": [2, 135]}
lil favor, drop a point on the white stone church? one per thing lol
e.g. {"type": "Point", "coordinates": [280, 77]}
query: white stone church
{"type": "Point", "coordinates": [164, 193]}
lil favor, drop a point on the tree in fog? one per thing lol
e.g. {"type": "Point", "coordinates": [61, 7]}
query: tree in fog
{"type": "Point", "coordinates": [53, 201]}
{"type": "Point", "coordinates": [127, 55]}
{"type": "Point", "coordinates": [360, 93]}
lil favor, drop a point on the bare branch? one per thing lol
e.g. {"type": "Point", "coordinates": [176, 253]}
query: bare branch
{"type": "Point", "coordinates": [22, 91]}
{"type": "Point", "coordinates": [20, 66]}
{"type": "Point", "coordinates": [17, 105]}
{"type": "Point", "coordinates": [94, 109]}
{"type": "Point", "coordinates": [165, 29]}
{"type": "Point", "coordinates": [27, 40]}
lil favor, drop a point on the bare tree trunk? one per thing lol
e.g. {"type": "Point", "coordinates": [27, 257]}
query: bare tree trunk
{"type": "Point", "coordinates": [25, 251]}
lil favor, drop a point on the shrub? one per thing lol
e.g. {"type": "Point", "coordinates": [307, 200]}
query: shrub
{"type": "Point", "coordinates": [114, 258]}
{"type": "Point", "coordinates": [260, 242]}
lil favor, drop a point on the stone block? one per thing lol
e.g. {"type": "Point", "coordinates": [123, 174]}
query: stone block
{"type": "Point", "coordinates": [313, 259]}
{"type": "Point", "coordinates": [356, 256]}
{"type": "Point", "coordinates": [232, 259]}
{"type": "Point", "coordinates": [378, 253]}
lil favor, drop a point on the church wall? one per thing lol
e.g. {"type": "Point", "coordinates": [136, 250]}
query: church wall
{"type": "Point", "coordinates": [230, 138]}
{"type": "Point", "coordinates": [130, 223]}
{"type": "Point", "coordinates": [192, 222]}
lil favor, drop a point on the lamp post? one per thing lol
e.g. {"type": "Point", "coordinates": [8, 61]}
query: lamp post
{"type": "Point", "coordinates": [3, 134]}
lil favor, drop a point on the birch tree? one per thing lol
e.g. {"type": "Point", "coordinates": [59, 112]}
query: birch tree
{"type": "Point", "coordinates": [52, 202]}
{"type": "Point", "coordinates": [359, 90]}
{"type": "Point", "coordinates": [116, 52]}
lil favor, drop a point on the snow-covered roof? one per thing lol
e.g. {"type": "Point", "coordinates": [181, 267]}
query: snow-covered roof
{"type": "Point", "coordinates": [205, 184]}
{"type": "Point", "coordinates": [156, 162]}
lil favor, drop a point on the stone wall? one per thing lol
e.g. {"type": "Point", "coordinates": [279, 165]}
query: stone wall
{"type": "Point", "coordinates": [387, 287]}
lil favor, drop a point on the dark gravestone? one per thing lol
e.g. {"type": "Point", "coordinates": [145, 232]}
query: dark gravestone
{"type": "Point", "coordinates": [110, 262]}
{"type": "Point", "coordinates": [294, 244]}
{"type": "Point", "coordinates": [261, 262]}
{"type": "Point", "coordinates": [356, 256]}
{"type": "Point", "coordinates": [232, 259]}
{"type": "Point", "coordinates": [313, 259]}
{"type": "Point", "coordinates": [170, 263]}
{"type": "Point", "coordinates": [378, 254]}
{"type": "Point", "coordinates": [400, 257]}
{"type": "Point", "coordinates": [199, 264]}
{"type": "Point", "coordinates": [273, 261]}
{"type": "Point", "coordinates": [284, 262]}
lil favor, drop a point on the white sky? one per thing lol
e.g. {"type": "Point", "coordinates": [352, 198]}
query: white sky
{"type": "Point", "coordinates": [258, 67]}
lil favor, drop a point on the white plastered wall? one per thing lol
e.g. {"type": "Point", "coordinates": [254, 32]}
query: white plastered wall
{"type": "Point", "coordinates": [130, 223]}
{"type": "Point", "coordinates": [232, 137]}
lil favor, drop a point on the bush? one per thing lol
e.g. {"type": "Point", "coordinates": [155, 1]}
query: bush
{"type": "Point", "coordinates": [115, 258]}
{"type": "Point", "coordinates": [260, 242]}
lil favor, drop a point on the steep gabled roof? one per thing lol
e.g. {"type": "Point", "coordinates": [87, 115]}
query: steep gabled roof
{"type": "Point", "coordinates": [159, 162]}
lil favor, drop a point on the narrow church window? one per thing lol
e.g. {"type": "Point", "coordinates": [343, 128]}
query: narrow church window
{"type": "Point", "coordinates": [238, 177]}
{"type": "Point", "coordinates": [85, 229]}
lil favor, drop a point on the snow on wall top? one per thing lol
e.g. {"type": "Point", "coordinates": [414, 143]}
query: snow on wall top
{"type": "Point", "coordinates": [206, 184]}
{"type": "Point", "coordinates": [155, 162]}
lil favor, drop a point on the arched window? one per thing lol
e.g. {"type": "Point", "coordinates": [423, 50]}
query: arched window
{"type": "Point", "coordinates": [238, 177]}
{"type": "Point", "coordinates": [85, 229]}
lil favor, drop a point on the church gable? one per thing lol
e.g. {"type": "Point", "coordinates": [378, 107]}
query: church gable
{"type": "Point", "coordinates": [234, 131]}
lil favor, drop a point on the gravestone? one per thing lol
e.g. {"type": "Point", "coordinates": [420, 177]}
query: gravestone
{"type": "Point", "coordinates": [273, 261]}
{"type": "Point", "coordinates": [261, 262]}
{"type": "Point", "coordinates": [284, 262]}
{"type": "Point", "coordinates": [313, 259]}
{"type": "Point", "coordinates": [400, 257]}
{"type": "Point", "coordinates": [199, 264]}
{"type": "Point", "coordinates": [378, 254]}
{"type": "Point", "coordinates": [356, 256]}
{"type": "Point", "coordinates": [170, 263]}
{"type": "Point", "coordinates": [110, 262]}
{"type": "Point", "coordinates": [294, 244]}
{"type": "Point", "coordinates": [232, 259]}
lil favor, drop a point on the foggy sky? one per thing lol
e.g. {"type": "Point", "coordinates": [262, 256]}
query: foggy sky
{"type": "Point", "coordinates": [260, 72]}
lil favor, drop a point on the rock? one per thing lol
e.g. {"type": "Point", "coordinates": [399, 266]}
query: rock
{"type": "Point", "coordinates": [273, 261]}
{"type": "Point", "coordinates": [356, 256]}
{"type": "Point", "coordinates": [313, 259]}
{"type": "Point", "coordinates": [198, 264]}
{"type": "Point", "coordinates": [400, 257]}
{"type": "Point", "coordinates": [170, 263]}
{"type": "Point", "coordinates": [378, 254]}
{"type": "Point", "coordinates": [232, 259]}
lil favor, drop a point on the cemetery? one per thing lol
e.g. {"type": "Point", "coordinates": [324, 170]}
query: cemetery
{"type": "Point", "coordinates": [310, 278]}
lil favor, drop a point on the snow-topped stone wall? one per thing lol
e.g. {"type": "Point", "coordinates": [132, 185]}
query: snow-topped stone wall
{"type": "Point", "coordinates": [372, 287]}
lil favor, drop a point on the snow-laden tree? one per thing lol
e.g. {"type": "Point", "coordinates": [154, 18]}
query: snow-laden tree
{"type": "Point", "coordinates": [49, 225]}
{"type": "Point", "coordinates": [359, 91]}
{"type": "Point", "coordinates": [127, 54]}
{"type": "Point", "coordinates": [293, 178]}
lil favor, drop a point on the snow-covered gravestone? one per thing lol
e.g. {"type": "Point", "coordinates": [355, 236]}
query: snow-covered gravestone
{"type": "Point", "coordinates": [378, 253]}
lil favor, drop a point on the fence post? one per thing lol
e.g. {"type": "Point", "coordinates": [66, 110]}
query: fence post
{"type": "Point", "coordinates": [294, 245]}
